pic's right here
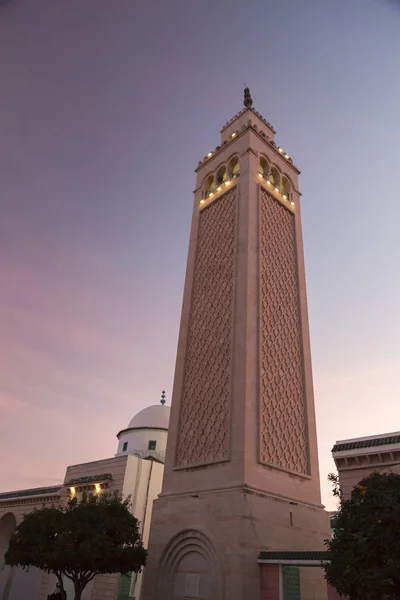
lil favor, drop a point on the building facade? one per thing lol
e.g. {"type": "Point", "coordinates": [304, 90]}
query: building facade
{"type": "Point", "coordinates": [357, 458]}
{"type": "Point", "coordinates": [241, 472]}
{"type": "Point", "coordinates": [136, 471]}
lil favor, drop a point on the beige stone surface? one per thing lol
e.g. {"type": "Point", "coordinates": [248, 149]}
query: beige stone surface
{"type": "Point", "coordinates": [238, 524]}
{"type": "Point", "coordinates": [262, 490]}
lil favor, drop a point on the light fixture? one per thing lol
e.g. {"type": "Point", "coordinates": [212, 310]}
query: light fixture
{"type": "Point", "coordinates": [202, 201]}
{"type": "Point", "coordinates": [219, 188]}
{"type": "Point", "coordinates": [286, 155]}
{"type": "Point", "coordinates": [280, 150]}
{"type": "Point", "coordinates": [276, 189]}
{"type": "Point", "coordinates": [284, 196]}
{"type": "Point", "coordinates": [227, 182]}
{"type": "Point", "coordinates": [98, 488]}
{"type": "Point", "coordinates": [233, 134]}
{"type": "Point", "coordinates": [260, 175]}
{"type": "Point", "coordinates": [210, 195]}
{"type": "Point", "coordinates": [292, 203]}
{"type": "Point", "coordinates": [209, 154]}
{"type": "Point", "coordinates": [72, 490]}
{"type": "Point", "coordinates": [268, 182]}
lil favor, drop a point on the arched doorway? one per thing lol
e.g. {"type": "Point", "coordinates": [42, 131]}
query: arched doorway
{"type": "Point", "coordinates": [7, 525]}
{"type": "Point", "coordinates": [189, 569]}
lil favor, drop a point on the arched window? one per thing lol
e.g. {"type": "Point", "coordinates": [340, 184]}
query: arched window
{"type": "Point", "coordinates": [209, 187]}
{"type": "Point", "coordinates": [285, 187]}
{"type": "Point", "coordinates": [234, 166]}
{"type": "Point", "coordinates": [274, 177]}
{"type": "Point", "coordinates": [221, 175]}
{"type": "Point", "coordinates": [263, 167]}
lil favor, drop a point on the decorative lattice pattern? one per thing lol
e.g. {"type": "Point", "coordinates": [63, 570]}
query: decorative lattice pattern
{"type": "Point", "coordinates": [204, 426]}
{"type": "Point", "coordinates": [283, 427]}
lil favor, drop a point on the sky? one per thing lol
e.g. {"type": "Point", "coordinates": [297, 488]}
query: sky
{"type": "Point", "coordinates": [105, 110]}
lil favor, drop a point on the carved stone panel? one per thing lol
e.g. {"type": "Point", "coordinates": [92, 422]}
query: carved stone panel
{"type": "Point", "coordinates": [283, 420]}
{"type": "Point", "coordinates": [204, 419]}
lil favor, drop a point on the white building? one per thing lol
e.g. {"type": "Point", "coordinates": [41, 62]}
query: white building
{"type": "Point", "coordinates": [136, 470]}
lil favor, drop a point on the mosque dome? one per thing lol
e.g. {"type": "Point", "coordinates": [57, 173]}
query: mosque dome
{"type": "Point", "coordinates": [152, 417]}
{"type": "Point", "coordinates": [147, 433]}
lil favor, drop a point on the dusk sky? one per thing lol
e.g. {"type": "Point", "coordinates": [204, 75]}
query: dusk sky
{"type": "Point", "coordinates": [106, 107]}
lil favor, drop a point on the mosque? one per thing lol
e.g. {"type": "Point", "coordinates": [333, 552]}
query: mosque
{"type": "Point", "coordinates": [136, 470]}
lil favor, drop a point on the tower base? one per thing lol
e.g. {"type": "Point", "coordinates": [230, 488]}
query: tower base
{"type": "Point", "coordinates": [206, 545]}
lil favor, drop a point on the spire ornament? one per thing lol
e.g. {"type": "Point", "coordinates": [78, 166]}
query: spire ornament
{"type": "Point", "coordinates": [163, 400]}
{"type": "Point", "coordinates": [248, 100]}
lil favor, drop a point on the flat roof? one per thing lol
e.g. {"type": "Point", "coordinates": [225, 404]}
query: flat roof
{"type": "Point", "coordinates": [371, 441]}
{"type": "Point", "coordinates": [42, 491]}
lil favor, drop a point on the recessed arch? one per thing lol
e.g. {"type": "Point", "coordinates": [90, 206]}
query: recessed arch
{"type": "Point", "coordinates": [8, 523]}
{"type": "Point", "coordinates": [285, 186]}
{"type": "Point", "coordinates": [221, 175]}
{"type": "Point", "coordinates": [209, 185]}
{"type": "Point", "coordinates": [188, 551]}
{"type": "Point", "coordinates": [234, 166]}
{"type": "Point", "coordinates": [264, 166]}
{"type": "Point", "coordinates": [274, 176]}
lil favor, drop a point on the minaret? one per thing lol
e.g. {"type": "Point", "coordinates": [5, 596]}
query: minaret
{"type": "Point", "coordinates": [241, 470]}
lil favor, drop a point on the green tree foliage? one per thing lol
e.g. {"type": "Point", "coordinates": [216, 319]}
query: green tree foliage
{"type": "Point", "coordinates": [365, 549]}
{"type": "Point", "coordinates": [97, 535]}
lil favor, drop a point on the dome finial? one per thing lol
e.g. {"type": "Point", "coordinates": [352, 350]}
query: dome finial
{"type": "Point", "coordinates": [163, 400]}
{"type": "Point", "coordinates": [248, 101]}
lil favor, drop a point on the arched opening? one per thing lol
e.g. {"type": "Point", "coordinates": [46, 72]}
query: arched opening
{"type": "Point", "coordinates": [221, 176]}
{"type": "Point", "coordinates": [209, 187]}
{"type": "Point", "coordinates": [285, 187]}
{"type": "Point", "coordinates": [234, 167]}
{"type": "Point", "coordinates": [189, 568]}
{"type": "Point", "coordinates": [263, 167]}
{"type": "Point", "coordinates": [7, 525]}
{"type": "Point", "coordinates": [274, 177]}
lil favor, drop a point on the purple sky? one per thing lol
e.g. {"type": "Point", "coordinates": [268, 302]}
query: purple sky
{"type": "Point", "coordinates": [105, 109]}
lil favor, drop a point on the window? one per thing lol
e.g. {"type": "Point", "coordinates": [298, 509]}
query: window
{"type": "Point", "coordinates": [263, 168]}
{"type": "Point", "coordinates": [285, 187]}
{"type": "Point", "coordinates": [221, 175]}
{"type": "Point", "coordinates": [274, 177]}
{"type": "Point", "coordinates": [152, 445]}
{"type": "Point", "coordinates": [125, 447]}
{"type": "Point", "coordinates": [234, 166]}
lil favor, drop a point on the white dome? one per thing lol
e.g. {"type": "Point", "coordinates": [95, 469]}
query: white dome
{"type": "Point", "coordinates": [152, 417]}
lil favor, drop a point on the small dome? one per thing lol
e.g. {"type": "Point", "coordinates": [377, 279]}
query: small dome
{"type": "Point", "coordinates": [152, 417]}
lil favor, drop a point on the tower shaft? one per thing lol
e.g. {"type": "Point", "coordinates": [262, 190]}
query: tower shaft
{"type": "Point", "coordinates": [241, 471]}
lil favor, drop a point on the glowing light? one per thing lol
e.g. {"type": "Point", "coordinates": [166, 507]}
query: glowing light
{"type": "Point", "coordinates": [268, 182]}
{"type": "Point", "coordinates": [276, 189]}
{"type": "Point", "coordinates": [286, 155]}
{"type": "Point", "coordinates": [98, 488]}
{"type": "Point", "coordinates": [219, 188]}
{"type": "Point", "coordinates": [202, 201]}
{"type": "Point", "coordinates": [280, 150]}
{"type": "Point", "coordinates": [284, 196]}
{"type": "Point", "coordinates": [209, 154]}
{"type": "Point", "coordinates": [292, 203]}
{"type": "Point", "coordinates": [210, 195]}
{"type": "Point", "coordinates": [227, 182]}
{"type": "Point", "coordinates": [233, 134]}
{"type": "Point", "coordinates": [260, 175]}
{"type": "Point", "coordinates": [72, 490]}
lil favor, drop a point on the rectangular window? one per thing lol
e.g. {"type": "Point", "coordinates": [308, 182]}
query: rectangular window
{"type": "Point", "coordinates": [125, 447]}
{"type": "Point", "coordinates": [152, 445]}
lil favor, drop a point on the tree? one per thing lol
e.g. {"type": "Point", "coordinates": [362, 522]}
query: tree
{"type": "Point", "coordinates": [364, 552]}
{"type": "Point", "coordinates": [97, 535]}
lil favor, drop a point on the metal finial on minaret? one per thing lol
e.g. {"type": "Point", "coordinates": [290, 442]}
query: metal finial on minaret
{"type": "Point", "coordinates": [163, 400]}
{"type": "Point", "coordinates": [248, 100]}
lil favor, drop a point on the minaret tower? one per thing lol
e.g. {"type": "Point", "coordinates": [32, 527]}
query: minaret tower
{"type": "Point", "coordinates": [241, 470]}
